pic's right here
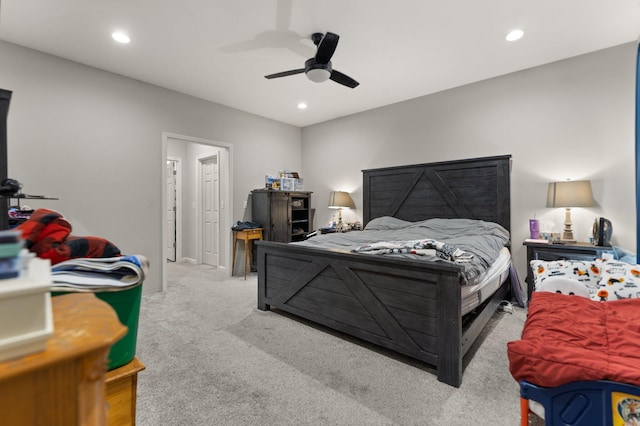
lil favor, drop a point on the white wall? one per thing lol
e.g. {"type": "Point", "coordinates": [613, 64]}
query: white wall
{"type": "Point", "coordinates": [94, 139]}
{"type": "Point", "coordinates": [569, 119]}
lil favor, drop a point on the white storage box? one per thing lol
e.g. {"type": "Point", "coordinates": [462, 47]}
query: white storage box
{"type": "Point", "coordinates": [286, 184]}
{"type": "Point", "coordinates": [26, 318]}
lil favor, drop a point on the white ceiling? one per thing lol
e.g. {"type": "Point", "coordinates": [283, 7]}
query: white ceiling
{"type": "Point", "coordinates": [220, 50]}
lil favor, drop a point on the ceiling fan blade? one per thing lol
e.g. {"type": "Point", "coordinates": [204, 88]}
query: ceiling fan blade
{"type": "Point", "coordinates": [284, 73]}
{"type": "Point", "coordinates": [343, 79]}
{"type": "Point", "coordinates": [327, 47]}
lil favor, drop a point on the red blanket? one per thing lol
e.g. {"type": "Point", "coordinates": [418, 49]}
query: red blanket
{"type": "Point", "coordinates": [571, 338]}
{"type": "Point", "coordinates": [48, 235]}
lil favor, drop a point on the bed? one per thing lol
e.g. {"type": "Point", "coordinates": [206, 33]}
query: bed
{"type": "Point", "coordinates": [580, 344]}
{"type": "Point", "coordinates": [410, 306]}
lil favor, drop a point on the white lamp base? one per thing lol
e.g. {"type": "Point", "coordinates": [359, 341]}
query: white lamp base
{"type": "Point", "coordinates": [340, 225]}
{"type": "Point", "coordinates": [567, 233]}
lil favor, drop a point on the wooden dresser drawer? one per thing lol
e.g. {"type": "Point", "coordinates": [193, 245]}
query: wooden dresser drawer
{"type": "Point", "coordinates": [253, 234]}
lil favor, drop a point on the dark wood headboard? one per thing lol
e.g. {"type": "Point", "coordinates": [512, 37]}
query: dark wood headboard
{"type": "Point", "coordinates": [477, 188]}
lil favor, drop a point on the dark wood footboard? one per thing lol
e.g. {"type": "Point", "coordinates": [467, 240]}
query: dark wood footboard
{"type": "Point", "coordinates": [411, 307]}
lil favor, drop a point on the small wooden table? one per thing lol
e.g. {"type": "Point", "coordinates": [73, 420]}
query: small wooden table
{"type": "Point", "coordinates": [246, 235]}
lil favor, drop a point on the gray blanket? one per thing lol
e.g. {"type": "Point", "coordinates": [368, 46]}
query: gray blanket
{"type": "Point", "coordinates": [483, 240]}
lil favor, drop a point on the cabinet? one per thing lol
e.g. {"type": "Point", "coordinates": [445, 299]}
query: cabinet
{"type": "Point", "coordinates": [577, 251]}
{"type": "Point", "coordinates": [284, 215]}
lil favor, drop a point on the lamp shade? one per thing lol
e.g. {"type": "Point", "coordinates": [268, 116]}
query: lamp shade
{"type": "Point", "coordinates": [571, 193]}
{"type": "Point", "coordinates": [341, 200]}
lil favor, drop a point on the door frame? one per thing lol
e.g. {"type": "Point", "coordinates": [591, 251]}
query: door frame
{"type": "Point", "coordinates": [226, 175]}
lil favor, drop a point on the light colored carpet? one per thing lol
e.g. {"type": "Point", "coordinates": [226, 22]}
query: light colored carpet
{"type": "Point", "coordinates": [212, 358]}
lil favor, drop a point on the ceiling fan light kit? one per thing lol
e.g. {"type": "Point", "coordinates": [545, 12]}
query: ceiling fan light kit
{"type": "Point", "coordinates": [318, 69]}
{"type": "Point", "coordinates": [316, 72]}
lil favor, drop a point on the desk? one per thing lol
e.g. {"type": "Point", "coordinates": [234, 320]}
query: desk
{"type": "Point", "coordinates": [246, 235]}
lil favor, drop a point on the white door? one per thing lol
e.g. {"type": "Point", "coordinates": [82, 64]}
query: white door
{"type": "Point", "coordinates": [170, 225]}
{"type": "Point", "coordinates": [210, 211]}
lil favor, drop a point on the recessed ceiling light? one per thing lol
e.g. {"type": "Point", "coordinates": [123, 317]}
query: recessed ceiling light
{"type": "Point", "coordinates": [121, 37]}
{"type": "Point", "coordinates": [302, 105]}
{"type": "Point", "coordinates": [514, 35]}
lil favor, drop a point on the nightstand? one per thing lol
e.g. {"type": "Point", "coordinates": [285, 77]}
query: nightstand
{"type": "Point", "coordinates": [575, 251]}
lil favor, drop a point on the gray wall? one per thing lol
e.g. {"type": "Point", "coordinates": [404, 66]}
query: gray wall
{"type": "Point", "coordinates": [569, 119]}
{"type": "Point", "coordinates": [94, 139]}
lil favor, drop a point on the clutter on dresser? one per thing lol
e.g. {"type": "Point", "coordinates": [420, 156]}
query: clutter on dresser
{"type": "Point", "coordinates": [100, 273]}
{"type": "Point", "coordinates": [240, 226]}
{"type": "Point", "coordinates": [11, 245]}
{"type": "Point", "coordinates": [48, 234]}
{"type": "Point", "coordinates": [601, 232]}
{"type": "Point", "coordinates": [25, 299]}
{"type": "Point", "coordinates": [87, 264]}
{"type": "Point", "coordinates": [11, 189]}
{"type": "Point", "coordinates": [284, 181]}
{"type": "Point", "coordinates": [117, 281]}
{"type": "Point", "coordinates": [19, 215]}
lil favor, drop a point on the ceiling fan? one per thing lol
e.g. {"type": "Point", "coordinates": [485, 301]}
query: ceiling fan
{"type": "Point", "coordinates": [318, 68]}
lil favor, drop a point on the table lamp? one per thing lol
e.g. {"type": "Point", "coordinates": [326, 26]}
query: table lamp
{"type": "Point", "coordinates": [568, 194]}
{"type": "Point", "coordinates": [340, 200]}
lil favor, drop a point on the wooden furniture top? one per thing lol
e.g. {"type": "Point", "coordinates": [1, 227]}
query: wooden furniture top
{"type": "Point", "coordinates": [133, 367]}
{"type": "Point", "coordinates": [82, 324]}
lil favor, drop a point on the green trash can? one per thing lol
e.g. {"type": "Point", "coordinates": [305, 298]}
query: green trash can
{"type": "Point", "coordinates": [126, 303]}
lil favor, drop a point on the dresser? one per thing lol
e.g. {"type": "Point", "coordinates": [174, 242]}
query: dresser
{"type": "Point", "coordinates": [64, 384]}
{"type": "Point", "coordinates": [575, 251]}
{"type": "Point", "coordinates": [284, 215]}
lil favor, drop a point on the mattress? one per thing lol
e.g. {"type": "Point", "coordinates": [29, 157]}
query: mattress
{"type": "Point", "coordinates": [474, 293]}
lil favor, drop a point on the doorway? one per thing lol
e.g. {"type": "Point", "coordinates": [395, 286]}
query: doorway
{"type": "Point", "coordinates": [204, 200]}
{"type": "Point", "coordinates": [210, 209]}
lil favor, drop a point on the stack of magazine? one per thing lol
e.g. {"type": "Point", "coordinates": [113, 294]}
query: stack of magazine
{"type": "Point", "coordinates": [104, 274]}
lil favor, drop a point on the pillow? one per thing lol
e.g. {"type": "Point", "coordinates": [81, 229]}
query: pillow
{"type": "Point", "coordinates": [567, 286]}
{"type": "Point", "coordinates": [384, 223]}
{"type": "Point", "coordinates": [585, 272]}
{"type": "Point", "coordinates": [619, 280]}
